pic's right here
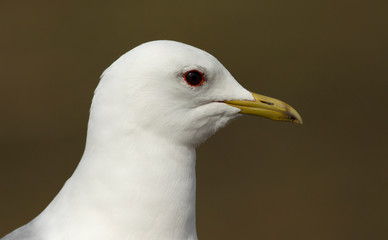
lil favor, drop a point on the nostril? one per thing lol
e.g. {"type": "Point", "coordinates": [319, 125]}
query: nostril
{"type": "Point", "coordinates": [268, 103]}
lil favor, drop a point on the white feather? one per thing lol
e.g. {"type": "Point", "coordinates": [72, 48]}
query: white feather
{"type": "Point", "coordinates": [136, 179]}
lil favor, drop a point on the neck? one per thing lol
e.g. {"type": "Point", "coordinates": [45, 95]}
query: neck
{"type": "Point", "coordinates": [136, 186]}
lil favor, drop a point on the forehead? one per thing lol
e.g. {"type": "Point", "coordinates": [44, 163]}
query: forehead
{"type": "Point", "coordinates": [173, 54]}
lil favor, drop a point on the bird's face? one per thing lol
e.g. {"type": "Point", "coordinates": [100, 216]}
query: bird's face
{"type": "Point", "coordinates": [179, 92]}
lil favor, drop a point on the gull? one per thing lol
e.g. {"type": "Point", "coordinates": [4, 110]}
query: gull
{"type": "Point", "coordinates": [136, 179]}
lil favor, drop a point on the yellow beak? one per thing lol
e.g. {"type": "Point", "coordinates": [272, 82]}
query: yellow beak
{"type": "Point", "coordinates": [267, 107]}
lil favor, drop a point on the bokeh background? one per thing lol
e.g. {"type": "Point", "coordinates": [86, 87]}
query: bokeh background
{"type": "Point", "coordinates": [257, 179]}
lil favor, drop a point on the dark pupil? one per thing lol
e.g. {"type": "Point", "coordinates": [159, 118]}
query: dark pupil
{"type": "Point", "coordinates": [194, 77]}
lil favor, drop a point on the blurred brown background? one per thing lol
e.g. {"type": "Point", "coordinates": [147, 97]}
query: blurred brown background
{"type": "Point", "coordinates": [257, 179]}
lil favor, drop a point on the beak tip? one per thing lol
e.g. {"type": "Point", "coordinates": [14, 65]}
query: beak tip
{"type": "Point", "coordinates": [295, 117]}
{"type": "Point", "coordinates": [298, 121]}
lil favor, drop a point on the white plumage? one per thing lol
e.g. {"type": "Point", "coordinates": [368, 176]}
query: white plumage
{"type": "Point", "coordinates": [136, 179]}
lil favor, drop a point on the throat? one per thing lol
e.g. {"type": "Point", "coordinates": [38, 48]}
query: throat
{"type": "Point", "coordinates": [141, 188]}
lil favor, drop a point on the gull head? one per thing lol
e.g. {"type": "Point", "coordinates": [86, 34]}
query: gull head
{"type": "Point", "coordinates": [176, 92]}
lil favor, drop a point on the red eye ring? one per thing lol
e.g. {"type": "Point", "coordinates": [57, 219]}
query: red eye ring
{"type": "Point", "coordinates": [194, 78]}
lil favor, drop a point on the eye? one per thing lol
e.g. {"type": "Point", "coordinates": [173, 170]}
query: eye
{"type": "Point", "coordinates": [194, 78]}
